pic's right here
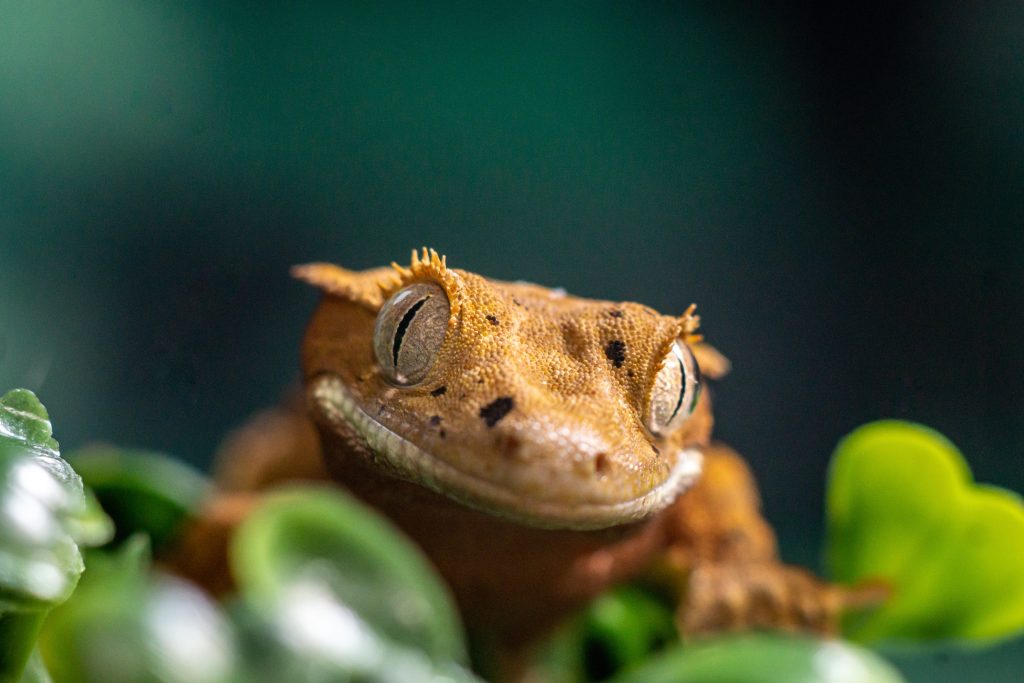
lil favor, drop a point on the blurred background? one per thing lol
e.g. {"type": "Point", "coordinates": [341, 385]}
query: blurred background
{"type": "Point", "coordinates": [841, 192]}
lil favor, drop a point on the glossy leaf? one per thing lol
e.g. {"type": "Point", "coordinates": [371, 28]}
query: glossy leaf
{"type": "Point", "coordinates": [24, 420]}
{"type": "Point", "coordinates": [319, 537]}
{"type": "Point", "coordinates": [306, 635]}
{"type": "Point", "coordinates": [45, 513]}
{"type": "Point", "coordinates": [764, 659]}
{"type": "Point", "coordinates": [44, 510]}
{"type": "Point", "coordinates": [142, 491]}
{"type": "Point", "coordinates": [903, 508]}
{"type": "Point", "coordinates": [128, 624]}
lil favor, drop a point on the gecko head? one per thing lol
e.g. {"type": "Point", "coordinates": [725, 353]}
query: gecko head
{"type": "Point", "coordinates": [511, 398]}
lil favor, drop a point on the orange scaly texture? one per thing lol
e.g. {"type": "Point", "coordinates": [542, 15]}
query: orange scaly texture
{"type": "Point", "coordinates": [574, 434]}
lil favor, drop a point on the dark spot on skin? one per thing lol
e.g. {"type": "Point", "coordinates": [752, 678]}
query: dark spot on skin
{"type": "Point", "coordinates": [616, 313]}
{"type": "Point", "coordinates": [442, 433]}
{"type": "Point", "coordinates": [435, 420]}
{"type": "Point", "coordinates": [494, 411]}
{"type": "Point", "coordinates": [381, 408]}
{"type": "Point", "coordinates": [615, 351]}
{"type": "Point", "coordinates": [479, 380]}
{"type": "Point", "coordinates": [439, 391]}
{"type": "Point", "coordinates": [656, 450]}
{"type": "Point", "coordinates": [629, 373]}
{"type": "Point", "coordinates": [517, 302]}
{"type": "Point", "coordinates": [600, 463]}
{"type": "Point", "coordinates": [493, 319]}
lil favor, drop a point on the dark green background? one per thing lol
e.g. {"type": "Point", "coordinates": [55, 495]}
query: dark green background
{"type": "Point", "coordinates": [841, 192]}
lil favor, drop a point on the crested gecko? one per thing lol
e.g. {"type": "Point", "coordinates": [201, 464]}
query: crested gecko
{"type": "Point", "coordinates": [538, 447]}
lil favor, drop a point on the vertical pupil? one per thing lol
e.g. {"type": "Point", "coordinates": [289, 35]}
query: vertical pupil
{"type": "Point", "coordinates": [403, 325]}
{"type": "Point", "coordinates": [682, 389]}
{"type": "Point", "coordinates": [698, 385]}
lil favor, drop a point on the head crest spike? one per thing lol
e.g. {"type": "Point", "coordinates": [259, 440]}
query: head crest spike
{"type": "Point", "coordinates": [690, 323]}
{"type": "Point", "coordinates": [427, 264]}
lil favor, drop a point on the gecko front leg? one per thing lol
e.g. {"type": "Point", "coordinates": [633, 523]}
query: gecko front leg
{"type": "Point", "coordinates": [723, 562]}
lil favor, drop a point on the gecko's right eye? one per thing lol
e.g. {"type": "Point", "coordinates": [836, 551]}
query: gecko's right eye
{"type": "Point", "coordinates": [410, 330]}
{"type": "Point", "coordinates": [675, 392]}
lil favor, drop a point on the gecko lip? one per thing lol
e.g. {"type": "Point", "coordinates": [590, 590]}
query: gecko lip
{"type": "Point", "coordinates": [336, 406]}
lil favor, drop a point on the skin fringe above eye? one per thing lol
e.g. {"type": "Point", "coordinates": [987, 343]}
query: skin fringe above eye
{"type": "Point", "coordinates": [428, 266]}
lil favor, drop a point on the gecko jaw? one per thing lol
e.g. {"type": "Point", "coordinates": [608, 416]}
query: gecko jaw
{"type": "Point", "coordinates": [334, 405]}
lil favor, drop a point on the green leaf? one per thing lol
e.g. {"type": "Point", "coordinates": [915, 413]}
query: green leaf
{"type": "Point", "coordinates": [765, 659]}
{"type": "Point", "coordinates": [902, 507]}
{"type": "Point", "coordinates": [313, 537]}
{"type": "Point", "coordinates": [35, 671]}
{"type": "Point", "coordinates": [45, 513]}
{"type": "Point", "coordinates": [626, 626]}
{"type": "Point", "coordinates": [142, 491]}
{"type": "Point", "coordinates": [615, 632]}
{"type": "Point", "coordinates": [308, 636]}
{"type": "Point", "coordinates": [128, 624]}
{"type": "Point", "coordinates": [44, 510]}
{"type": "Point", "coordinates": [24, 419]}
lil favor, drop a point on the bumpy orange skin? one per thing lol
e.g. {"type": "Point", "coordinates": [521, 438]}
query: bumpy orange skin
{"type": "Point", "coordinates": [575, 435]}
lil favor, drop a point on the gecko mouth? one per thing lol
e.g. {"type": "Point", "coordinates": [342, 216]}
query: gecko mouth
{"type": "Point", "coordinates": [338, 408]}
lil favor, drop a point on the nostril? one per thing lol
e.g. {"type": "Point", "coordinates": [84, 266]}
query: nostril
{"type": "Point", "coordinates": [600, 463]}
{"type": "Point", "coordinates": [509, 445]}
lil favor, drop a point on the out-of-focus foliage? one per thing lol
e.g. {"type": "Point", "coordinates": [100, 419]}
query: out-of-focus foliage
{"type": "Point", "coordinates": [307, 546]}
{"type": "Point", "coordinates": [617, 631]}
{"type": "Point", "coordinates": [45, 514]}
{"type": "Point", "coordinates": [338, 596]}
{"type": "Point", "coordinates": [902, 507]}
{"type": "Point", "coordinates": [127, 623]}
{"type": "Point", "coordinates": [765, 659]}
{"type": "Point", "coordinates": [328, 591]}
{"type": "Point", "coordinates": [140, 490]}
{"type": "Point", "coordinates": [289, 622]}
{"type": "Point", "coordinates": [629, 636]}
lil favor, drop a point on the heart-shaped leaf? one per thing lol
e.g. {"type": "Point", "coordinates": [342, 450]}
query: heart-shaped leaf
{"type": "Point", "coordinates": [903, 508]}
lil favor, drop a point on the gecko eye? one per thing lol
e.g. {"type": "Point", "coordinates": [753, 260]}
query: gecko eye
{"type": "Point", "coordinates": [675, 391]}
{"type": "Point", "coordinates": [409, 331]}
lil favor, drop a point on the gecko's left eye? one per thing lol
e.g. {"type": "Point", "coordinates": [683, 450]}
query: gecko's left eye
{"type": "Point", "coordinates": [675, 391]}
{"type": "Point", "coordinates": [410, 330]}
